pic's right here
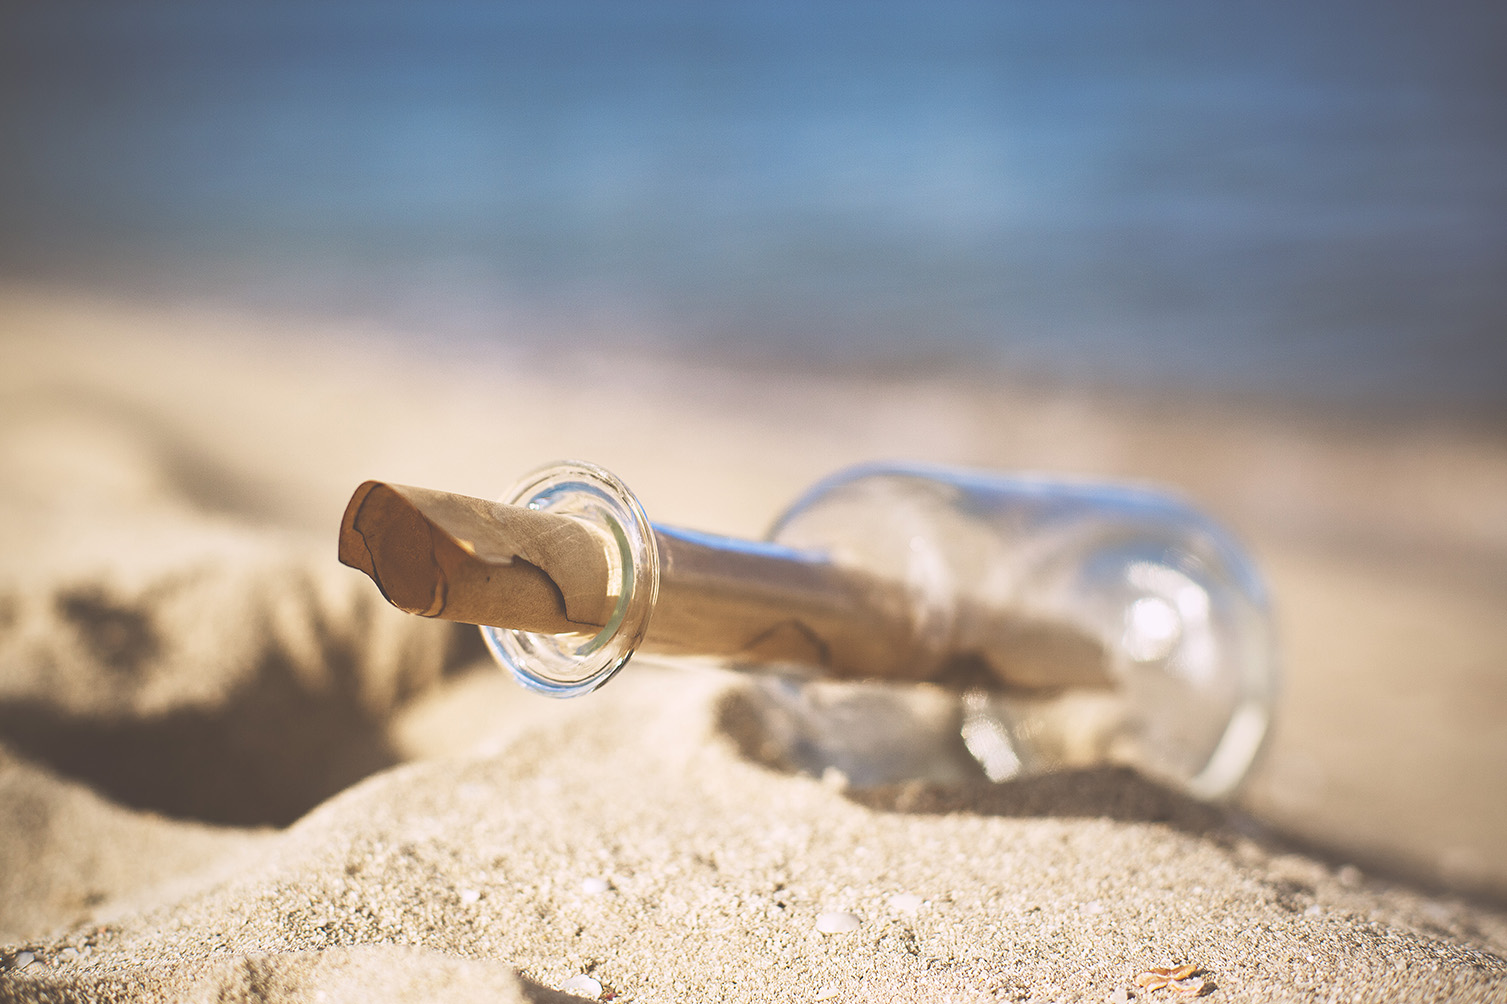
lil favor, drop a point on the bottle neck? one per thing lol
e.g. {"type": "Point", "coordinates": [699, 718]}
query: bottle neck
{"type": "Point", "coordinates": [767, 603]}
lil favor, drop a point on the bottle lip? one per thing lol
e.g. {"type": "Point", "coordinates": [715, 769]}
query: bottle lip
{"type": "Point", "coordinates": [570, 665]}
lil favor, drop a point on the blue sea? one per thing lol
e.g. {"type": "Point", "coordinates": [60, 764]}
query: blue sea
{"type": "Point", "coordinates": [1304, 200]}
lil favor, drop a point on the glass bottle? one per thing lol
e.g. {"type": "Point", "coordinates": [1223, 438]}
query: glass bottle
{"type": "Point", "coordinates": [1075, 623]}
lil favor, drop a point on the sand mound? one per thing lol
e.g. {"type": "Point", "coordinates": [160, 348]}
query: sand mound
{"type": "Point", "coordinates": [229, 772]}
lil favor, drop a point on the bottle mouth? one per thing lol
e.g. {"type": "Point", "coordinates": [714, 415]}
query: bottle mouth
{"type": "Point", "coordinates": [567, 665]}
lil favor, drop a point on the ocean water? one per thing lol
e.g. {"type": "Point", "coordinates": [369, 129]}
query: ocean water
{"type": "Point", "coordinates": [1297, 199]}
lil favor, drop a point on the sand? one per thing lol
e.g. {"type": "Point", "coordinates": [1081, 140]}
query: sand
{"type": "Point", "coordinates": [229, 772]}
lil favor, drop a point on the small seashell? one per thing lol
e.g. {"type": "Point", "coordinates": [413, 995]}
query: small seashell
{"type": "Point", "coordinates": [826, 993]}
{"type": "Point", "coordinates": [22, 960]}
{"type": "Point", "coordinates": [1193, 986]}
{"type": "Point", "coordinates": [837, 922]}
{"type": "Point", "coordinates": [469, 895]}
{"type": "Point", "coordinates": [583, 986]}
{"type": "Point", "coordinates": [594, 886]}
{"type": "Point", "coordinates": [1163, 975]}
{"type": "Point", "coordinates": [1187, 979]}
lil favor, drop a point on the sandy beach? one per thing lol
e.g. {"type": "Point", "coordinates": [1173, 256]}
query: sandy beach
{"type": "Point", "coordinates": [229, 771]}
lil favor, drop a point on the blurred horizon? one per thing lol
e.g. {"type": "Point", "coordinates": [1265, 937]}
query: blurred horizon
{"type": "Point", "coordinates": [1297, 201]}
